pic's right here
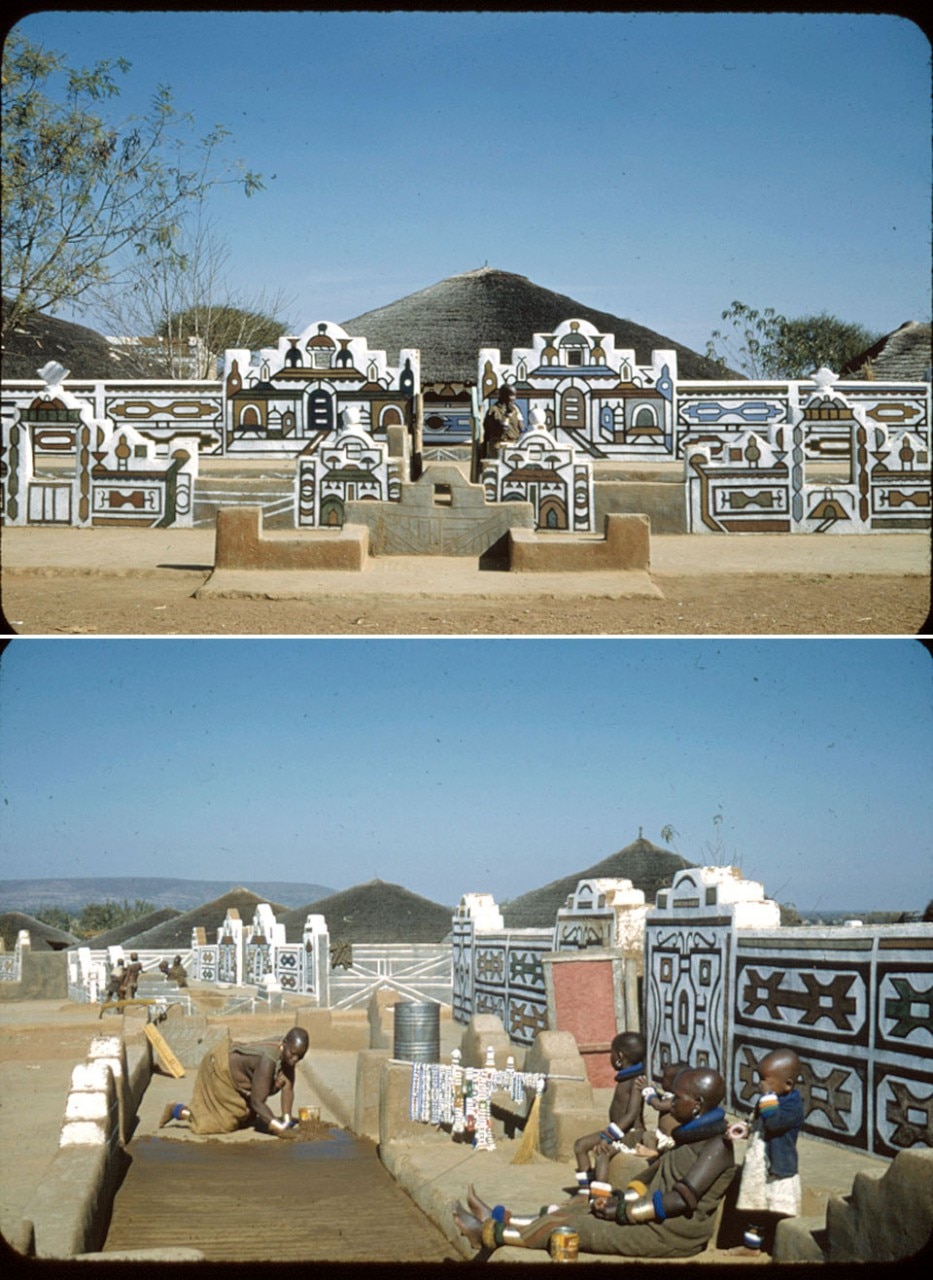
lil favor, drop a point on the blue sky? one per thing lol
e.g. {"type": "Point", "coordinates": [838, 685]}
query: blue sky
{"type": "Point", "coordinates": [656, 166]}
{"type": "Point", "coordinates": [457, 766]}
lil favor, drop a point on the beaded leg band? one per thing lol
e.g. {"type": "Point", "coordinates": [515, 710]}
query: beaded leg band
{"type": "Point", "coordinates": [497, 1233]}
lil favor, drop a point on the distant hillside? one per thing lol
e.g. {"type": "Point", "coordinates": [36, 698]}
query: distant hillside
{"type": "Point", "coordinates": [161, 891]}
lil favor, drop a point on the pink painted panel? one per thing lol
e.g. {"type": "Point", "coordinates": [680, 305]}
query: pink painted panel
{"type": "Point", "coordinates": [584, 1006]}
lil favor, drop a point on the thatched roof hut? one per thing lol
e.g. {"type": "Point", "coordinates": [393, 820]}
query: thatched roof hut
{"type": "Point", "coordinates": [902, 356]}
{"type": "Point", "coordinates": [42, 936]}
{"type": "Point", "coordinates": [124, 932]}
{"type": "Point", "coordinates": [176, 933]}
{"type": "Point", "coordinates": [39, 338]}
{"type": "Point", "coordinates": [649, 868]}
{"type": "Point", "coordinates": [374, 912]}
{"type": "Point", "coordinates": [451, 320]}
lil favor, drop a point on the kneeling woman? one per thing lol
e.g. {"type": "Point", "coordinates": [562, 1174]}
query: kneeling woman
{"type": "Point", "coordinates": [234, 1082]}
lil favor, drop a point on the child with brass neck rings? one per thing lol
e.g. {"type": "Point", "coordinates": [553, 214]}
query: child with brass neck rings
{"type": "Point", "coordinates": [770, 1185]}
{"type": "Point", "coordinates": [627, 1053]}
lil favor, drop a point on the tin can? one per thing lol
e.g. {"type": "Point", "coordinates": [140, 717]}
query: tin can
{"type": "Point", "coordinates": [309, 1116]}
{"type": "Point", "coordinates": [564, 1244]}
{"type": "Point", "coordinates": [752, 1237]}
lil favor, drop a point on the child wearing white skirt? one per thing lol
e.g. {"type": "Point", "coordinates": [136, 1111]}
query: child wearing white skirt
{"type": "Point", "coordinates": [770, 1185]}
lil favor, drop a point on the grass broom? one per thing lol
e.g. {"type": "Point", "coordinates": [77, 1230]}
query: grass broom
{"type": "Point", "coordinates": [528, 1147]}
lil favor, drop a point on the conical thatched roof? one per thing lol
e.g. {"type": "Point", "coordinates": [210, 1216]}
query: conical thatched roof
{"type": "Point", "coordinates": [84, 352]}
{"type": "Point", "coordinates": [176, 932]}
{"type": "Point", "coordinates": [374, 912]}
{"type": "Point", "coordinates": [43, 937]}
{"type": "Point", "coordinates": [901, 356]}
{"type": "Point", "coordinates": [649, 868]}
{"type": "Point", "coordinates": [451, 320]}
{"type": "Point", "coordinates": [124, 932]}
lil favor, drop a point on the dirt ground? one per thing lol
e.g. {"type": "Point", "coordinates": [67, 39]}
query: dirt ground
{"type": "Point", "coordinates": [776, 604]}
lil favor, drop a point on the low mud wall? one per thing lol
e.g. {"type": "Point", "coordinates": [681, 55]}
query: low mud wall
{"type": "Point", "coordinates": [70, 1211]}
{"type": "Point", "coordinates": [43, 976]}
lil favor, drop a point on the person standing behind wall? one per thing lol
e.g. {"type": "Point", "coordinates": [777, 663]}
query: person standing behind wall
{"type": "Point", "coordinates": [503, 421]}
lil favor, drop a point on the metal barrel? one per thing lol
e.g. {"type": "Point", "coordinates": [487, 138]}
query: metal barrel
{"type": "Point", "coordinates": [417, 1032]}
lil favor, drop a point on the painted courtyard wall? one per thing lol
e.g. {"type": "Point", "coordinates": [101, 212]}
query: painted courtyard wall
{"type": "Point", "coordinates": [256, 954]}
{"type": "Point", "coordinates": [484, 970]}
{"type": "Point", "coordinates": [600, 397]}
{"type": "Point", "coordinates": [755, 453]}
{"type": "Point", "coordinates": [117, 478]}
{"type": "Point", "coordinates": [555, 477]}
{"type": "Point", "coordinates": [724, 984]}
{"type": "Point", "coordinates": [758, 481]}
{"type": "Point", "coordinates": [289, 399]}
{"type": "Point", "coordinates": [522, 976]}
{"type": "Point", "coordinates": [590, 394]}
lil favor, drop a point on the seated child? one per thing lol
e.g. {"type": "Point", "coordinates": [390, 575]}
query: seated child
{"type": "Point", "coordinates": [625, 1111]}
{"type": "Point", "coordinates": [660, 1099]}
{"type": "Point", "coordinates": [770, 1182]}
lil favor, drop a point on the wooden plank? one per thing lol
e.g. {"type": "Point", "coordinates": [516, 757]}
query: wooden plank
{"type": "Point", "coordinates": [166, 1057]}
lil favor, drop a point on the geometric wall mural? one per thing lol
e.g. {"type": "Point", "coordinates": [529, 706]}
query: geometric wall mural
{"type": "Point", "coordinates": [288, 401]}
{"type": "Point", "coordinates": [556, 478]}
{"type": "Point", "coordinates": [810, 455]}
{"type": "Point", "coordinates": [501, 973]}
{"type": "Point", "coordinates": [761, 480]}
{"type": "Point", "coordinates": [351, 466]}
{"type": "Point", "coordinates": [118, 476]}
{"type": "Point", "coordinates": [588, 394]}
{"type": "Point", "coordinates": [856, 1004]}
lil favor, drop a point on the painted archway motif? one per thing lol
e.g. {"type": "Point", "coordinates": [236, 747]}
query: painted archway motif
{"type": "Point", "coordinates": [552, 513]}
{"type": "Point", "coordinates": [332, 512]}
{"type": "Point", "coordinates": [390, 417]}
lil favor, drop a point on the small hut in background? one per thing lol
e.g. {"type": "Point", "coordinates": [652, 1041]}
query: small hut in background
{"type": "Point", "coordinates": [902, 356]}
{"type": "Point", "coordinates": [42, 936]}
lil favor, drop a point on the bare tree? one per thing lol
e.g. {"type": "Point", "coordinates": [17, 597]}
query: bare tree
{"type": "Point", "coordinates": [180, 308]}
